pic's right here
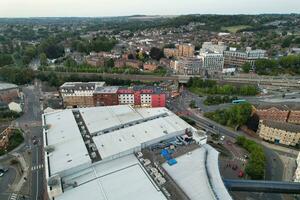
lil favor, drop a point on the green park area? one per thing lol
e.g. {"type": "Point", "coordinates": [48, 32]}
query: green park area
{"type": "Point", "coordinates": [218, 99]}
{"type": "Point", "coordinates": [211, 87]}
{"type": "Point", "coordinates": [234, 29]}
{"type": "Point", "coordinates": [233, 117]}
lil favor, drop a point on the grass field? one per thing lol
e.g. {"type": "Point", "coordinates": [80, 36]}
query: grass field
{"type": "Point", "coordinates": [234, 29]}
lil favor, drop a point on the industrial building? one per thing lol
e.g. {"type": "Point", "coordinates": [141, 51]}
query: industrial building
{"type": "Point", "coordinates": [90, 151]}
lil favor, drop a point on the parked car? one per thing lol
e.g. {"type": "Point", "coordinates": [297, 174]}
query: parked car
{"type": "Point", "coordinates": [3, 171]}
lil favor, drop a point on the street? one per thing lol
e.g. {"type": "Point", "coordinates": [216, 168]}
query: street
{"type": "Point", "coordinates": [30, 123]}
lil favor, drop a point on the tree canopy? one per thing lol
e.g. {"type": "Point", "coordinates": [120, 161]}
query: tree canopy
{"type": "Point", "coordinates": [232, 117]}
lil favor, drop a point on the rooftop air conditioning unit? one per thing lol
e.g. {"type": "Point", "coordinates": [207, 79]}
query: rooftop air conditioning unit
{"type": "Point", "coordinates": [54, 180]}
{"type": "Point", "coordinates": [93, 155]}
{"type": "Point", "coordinates": [47, 126]}
{"type": "Point", "coordinates": [49, 149]}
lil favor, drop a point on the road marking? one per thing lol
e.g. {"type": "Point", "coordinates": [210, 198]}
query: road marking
{"type": "Point", "coordinates": [13, 196]}
{"type": "Point", "coordinates": [37, 178]}
{"type": "Point", "coordinates": [37, 167]}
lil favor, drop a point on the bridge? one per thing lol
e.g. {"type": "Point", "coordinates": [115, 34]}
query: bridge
{"type": "Point", "coordinates": [262, 186]}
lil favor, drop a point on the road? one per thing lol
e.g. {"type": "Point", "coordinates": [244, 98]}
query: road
{"type": "Point", "coordinates": [31, 123]}
{"type": "Point", "coordinates": [6, 180]}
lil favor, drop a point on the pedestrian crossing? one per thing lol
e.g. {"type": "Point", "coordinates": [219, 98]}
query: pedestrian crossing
{"type": "Point", "coordinates": [37, 167]}
{"type": "Point", "coordinates": [241, 159]}
{"type": "Point", "coordinates": [13, 196]}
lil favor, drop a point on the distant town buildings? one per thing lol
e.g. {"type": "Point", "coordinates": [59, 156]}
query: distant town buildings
{"type": "Point", "coordinates": [212, 61]}
{"type": "Point", "coordinates": [234, 58]}
{"type": "Point", "coordinates": [134, 64]}
{"type": "Point", "coordinates": [279, 132]}
{"type": "Point", "coordinates": [187, 66]}
{"type": "Point", "coordinates": [181, 50]}
{"type": "Point", "coordinates": [151, 65]}
{"type": "Point", "coordinates": [211, 47]}
{"type": "Point", "coordinates": [95, 61]}
{"type": "Point", "coordinates": [90, 94]}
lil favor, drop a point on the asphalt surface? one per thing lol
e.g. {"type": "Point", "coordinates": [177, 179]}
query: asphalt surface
{"type": "Point", "coordinates": [31, 123]}
{"type": "Point", "coordinates": [6, 180]}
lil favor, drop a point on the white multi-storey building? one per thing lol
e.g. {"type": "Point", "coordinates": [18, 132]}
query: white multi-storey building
{"type": "Point", "coordinates": [146, 100]}
{"type": "Point", "coordinates": [187, 66]}
{"type": "Point", "coordinates": [212, 61]}
{"type": "Point", "coordinates": [126, 99]}
{"type": "Point", "coordinates": [214, 48]}
{"type": "Point", "coordinates": [234, 58]}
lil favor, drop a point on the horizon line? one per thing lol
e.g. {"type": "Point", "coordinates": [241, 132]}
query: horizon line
{"type": "Point", "coordinates": [146, 15]}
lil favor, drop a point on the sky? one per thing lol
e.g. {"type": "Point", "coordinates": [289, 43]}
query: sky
{"type": "Point", "coordinates": [99, 8]}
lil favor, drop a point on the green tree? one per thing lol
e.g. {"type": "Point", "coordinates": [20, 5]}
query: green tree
{"type": "Point", "coordinates": [109, 63]}
{"type": "Point", "coordinates": [43, 59]}
{"type": "Point", "coordinates": [246, 67]}
{"type": "Point", "coordinates": [156, 53]}
{"type": "Point", "coordinates": [193, 104]}
{"type": "Point", "coordinates": [5, 59]}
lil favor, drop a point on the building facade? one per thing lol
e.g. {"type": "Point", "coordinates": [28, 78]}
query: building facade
{"type": "Point", "coordinates": [187, 66]}
{"type": "Point", "coordinates": [181, 50]}
{"type": "Point", "coordinates": [186, 50]}
{"type": "Point", "coordinates": [234, 58]}
{"type": "Point", "coordinates": [212, 61]}
{"type": "Point", "coordinates": [106, 96]}
{"type": "Point", "coordinates": [279, 133]}
{"type": "Point", "coordinates": [220, 47]}
{"type": "Point", "coordinates": [79, 94]}
{"type": "Point", "coordinates": [90, 94]}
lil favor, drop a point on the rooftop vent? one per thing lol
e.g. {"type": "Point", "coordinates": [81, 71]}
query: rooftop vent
{"type": "Point", "coordinates": [52, 181]}
{"type": "Point", "coordinates": [49, 149]}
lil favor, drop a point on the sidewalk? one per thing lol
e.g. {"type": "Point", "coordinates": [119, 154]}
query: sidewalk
{"type": "Point", "coordinates": [16, 187]}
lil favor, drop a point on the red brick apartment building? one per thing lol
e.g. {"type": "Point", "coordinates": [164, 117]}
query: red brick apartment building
{"type": "Point", "coordinates": [273, 114]}
{"type": "Point", "coordinates": [106, 96]}
{"type": "Point", "coordinates": [80, 94]}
